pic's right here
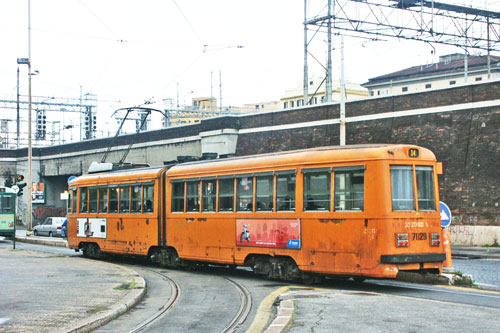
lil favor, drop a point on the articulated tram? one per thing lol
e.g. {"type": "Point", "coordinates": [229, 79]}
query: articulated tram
{"type": "Point", "coordinates": [353, 211]}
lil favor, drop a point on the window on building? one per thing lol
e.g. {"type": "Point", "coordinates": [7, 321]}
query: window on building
{"type": "Point", "coordinates": [285, 190]}
{"type": "Point", "coordinates": [244, 193]}
{"type": "Point", "coordinates": [428, 86]}
{"type": "Point", "coordinates": [452, 82]}
{"type": "Point", "coordinates": [193, 196]}
{"type": "Point", "coordinates": [349, 188]}
{"type": "Point", "coordinates": [291, 104]}
{"type": "Point", "coordinates": [425, 188]}
{"type": "Point", "coordinates": [226, 195]}
{"type": "Point", "coordinates": [264, 193]}
{"type": "Point", "coordinates": [285, 105]}
{"type": "Point", "coordinates": [317, 189]}
{"type": "Point", "coordinates": [103, 200]}
{"type": "Point", "coordinates": [209, 195]}
{"type": "Point", "coordinates": [479, 78]}
{"type": "Point", "coordinates": [371, 92]}
{"type": "Point", "coordinates": [402, 187]}
{"type": "Point", "coordinates": [404, 89]}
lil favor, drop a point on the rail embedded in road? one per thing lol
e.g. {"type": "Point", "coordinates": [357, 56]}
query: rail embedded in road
{"type": "Point", "coordinates": [169, 304]}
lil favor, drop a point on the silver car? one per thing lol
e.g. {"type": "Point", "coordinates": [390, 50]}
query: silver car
{"type": "Point", "coordinates": [50, 227]}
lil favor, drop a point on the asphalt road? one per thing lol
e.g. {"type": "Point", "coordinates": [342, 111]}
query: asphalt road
{"type": "Point", "coordinates": [207, 302]}
{"type": "Point", "coordinates": [486, 271]}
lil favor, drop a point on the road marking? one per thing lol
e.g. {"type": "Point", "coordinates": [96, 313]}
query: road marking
{"type": "Point", "coordinates": [264, 311]}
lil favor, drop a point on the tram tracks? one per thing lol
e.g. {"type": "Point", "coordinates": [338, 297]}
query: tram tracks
{"type": "Point", "coordinates": [245, 304]}
{"type": "Point", "coordinates": [244, 309]}
{"type": "Point", "coordinates": [169, 304]}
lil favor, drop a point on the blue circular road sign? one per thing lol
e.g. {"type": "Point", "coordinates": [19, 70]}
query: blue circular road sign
{"type": "Point", "coordinates": [71, 178]}
{"type": "Point", "coordinates": [445, 214]}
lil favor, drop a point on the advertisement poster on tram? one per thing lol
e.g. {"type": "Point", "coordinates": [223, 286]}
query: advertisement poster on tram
{"type": "Point", "coordinates": [274, 233]}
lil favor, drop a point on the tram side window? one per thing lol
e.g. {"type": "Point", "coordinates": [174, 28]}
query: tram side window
{"type": "Point", "coordinates": [425, 188]}
{"type": "Point", "coordinates": [209, 194]}
{"type": "Point", "coordinates": [70, 200]}
{"type": "Point", "coordinates": [402, 187]}
{"type": "Point", "coordinates": [84, 196]}
{"type": "Point", "coordinates": [125, 199]}
{"type": "Point", "coordinates": [135, 193]}
{"type": "Point", "coordinates": [264, 193]}
{"type": "Point", "coordinates": [178, 197]}
{"type": "Point", "coordinates": [349, 189]}
{"type": "Point", "coordinates": [244, 194]}
{"type": "Point", "coordinates": [285, 192]}
{"type": "Point", "coordinates": [148, 198]}
{"type": "Point", "coordinates": [226, 195]}
{"type": "Point", "coordinates": [317, 190]}
{"type": "Point", "coordinates": [113, 200]}
{"type": "Point", "coordinates": [103, 199]}
{"type": "Point", "coordinates": [75, 200]}
{"type": "Point", "coordinates": [93, 200]}
{"type": "Point", "coordinates": [193, 196]}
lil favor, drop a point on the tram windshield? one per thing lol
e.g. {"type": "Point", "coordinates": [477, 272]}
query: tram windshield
{"type": "Point", "coordinates": [6, 204]}
{"type": "Point", "coordinates": [403, 196]}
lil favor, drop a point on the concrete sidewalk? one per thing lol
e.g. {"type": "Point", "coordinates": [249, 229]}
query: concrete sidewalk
{"type": "Point", "coordinates": [43, 292]}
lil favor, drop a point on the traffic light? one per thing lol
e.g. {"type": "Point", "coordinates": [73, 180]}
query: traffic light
{"type": "Point", "coordinates": [94, 122]}
{"type": "Point", "coordinates": [20, 184]}
{"type": "Point", "coordinates": [41, 124]}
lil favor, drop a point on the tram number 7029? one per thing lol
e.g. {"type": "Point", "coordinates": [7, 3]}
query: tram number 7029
{"type": "Point", "coordinates": [419, 236]}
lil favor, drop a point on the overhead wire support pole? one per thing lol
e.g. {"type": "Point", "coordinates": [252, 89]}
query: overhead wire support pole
{"type": "Point", "coordinates": [306, 69]}
{"type": "Point", "coordinates": [328, 93]}
{"type": "Point", "coordinates": [30, 151]}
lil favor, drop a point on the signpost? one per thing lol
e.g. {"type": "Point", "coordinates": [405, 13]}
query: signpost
{"type": "Point", "coordinates": [445, 215]}
{"type": "Point", "coordinates": [445, 223]}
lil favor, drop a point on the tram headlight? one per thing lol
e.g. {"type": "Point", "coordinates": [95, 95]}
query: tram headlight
{"type": "Point", "coordinates": [402, 240]}
{"type": "Point", "coordinates": [435, 239]}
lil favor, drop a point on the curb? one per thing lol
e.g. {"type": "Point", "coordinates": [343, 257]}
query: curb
{"type": "Point", "coordinates": [127, 303]}
{"type": "Point", "coordinates": [44, 241]}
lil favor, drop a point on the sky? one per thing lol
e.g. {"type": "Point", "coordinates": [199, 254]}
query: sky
{"type": "Point", "coordinates": [127, 52]}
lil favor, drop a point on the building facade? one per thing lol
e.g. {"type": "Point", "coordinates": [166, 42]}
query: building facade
{"type": "Point", "coordinates": [448, 72]}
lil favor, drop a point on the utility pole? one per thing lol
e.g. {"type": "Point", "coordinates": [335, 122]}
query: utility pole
{"type": "Point", "coordinates": [342, 93]}
{"type": "Point", "coordinates": [328, 93]}
{"type": "Point", "coordinates": [30, 157]}
{"type": "Point", "coordinates": [220, 90]}
{"type": "Point", "coordinates": [212, 93]}
{"type": "Point", "coordinates": [306, 68]}
{"type": "Point", "coordinates": [18, 118]}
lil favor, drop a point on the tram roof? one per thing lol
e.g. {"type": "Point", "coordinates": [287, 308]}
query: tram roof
{"type": "Point", "coordinates": [304, 157]}
{"type": "Point", "coordinates": [127, 175]}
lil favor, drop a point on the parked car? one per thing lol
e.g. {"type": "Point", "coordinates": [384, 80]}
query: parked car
{"type": "Point", "coordinates": [50, 227]}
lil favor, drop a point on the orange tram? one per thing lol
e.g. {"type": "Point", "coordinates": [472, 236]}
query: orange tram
{"type": "Point", "coordinates": [356, 211]}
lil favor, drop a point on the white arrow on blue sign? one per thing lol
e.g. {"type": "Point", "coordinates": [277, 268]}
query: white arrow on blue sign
{"type": "Point", "coordinates": [445, 214]}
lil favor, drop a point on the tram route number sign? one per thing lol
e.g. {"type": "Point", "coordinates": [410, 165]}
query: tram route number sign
{"type": "Point", "coordinates": [445, 214]}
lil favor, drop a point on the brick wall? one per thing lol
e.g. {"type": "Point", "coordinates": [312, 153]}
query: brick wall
{"type": "Point", "coordinates": [466, 141]}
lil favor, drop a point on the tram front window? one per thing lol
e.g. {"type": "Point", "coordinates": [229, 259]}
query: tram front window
{"type": "Point", "coordinates": [425, 188]}
{"type": "Point", "coordinates": [402, 188]}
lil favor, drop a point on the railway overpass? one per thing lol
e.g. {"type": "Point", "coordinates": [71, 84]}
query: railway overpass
{"type": "Point", "coordinates": [460, 124]}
